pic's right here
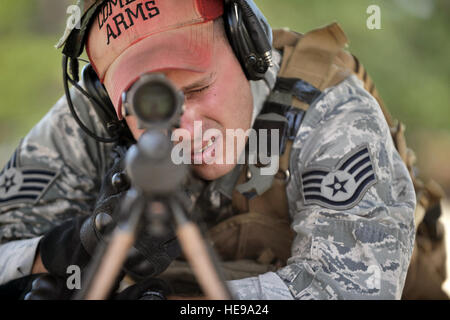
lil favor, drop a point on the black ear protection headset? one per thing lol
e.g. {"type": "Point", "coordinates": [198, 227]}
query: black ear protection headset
{"type": "Point", "coordinates": [247, 29]}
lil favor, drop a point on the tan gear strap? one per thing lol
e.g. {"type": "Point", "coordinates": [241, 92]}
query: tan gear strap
{"type": "Point", "coordinates": [254, 235]}
{"type": "Point", "coordinates": [181, 278]}
{"type": "Point", "coordinates": [318, 57]}
{"type": "Point", "coordinates": [309, 57]}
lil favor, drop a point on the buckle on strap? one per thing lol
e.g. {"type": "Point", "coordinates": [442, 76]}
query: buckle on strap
{"type": "Point", "coordinates": [279, 102]}
{"type": "Point", "coordinates": [289, 128]}
{"type": "Point", "coordinates": [295, 118]}
{"type": "Point", "coordinates": [299, 88]}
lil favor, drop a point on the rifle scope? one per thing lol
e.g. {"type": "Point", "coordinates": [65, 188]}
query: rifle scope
{"type": "Point", "coordinates": [154, 100]}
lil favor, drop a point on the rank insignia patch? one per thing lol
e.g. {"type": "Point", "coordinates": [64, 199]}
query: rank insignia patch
{"type": "Point", "coordinates": [344, 186]}
{"type": "Point", "coordinates": [23, 184]}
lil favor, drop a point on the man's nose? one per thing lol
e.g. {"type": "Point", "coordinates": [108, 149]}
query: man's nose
{"type": "Point", "coordinates": [190, 114]}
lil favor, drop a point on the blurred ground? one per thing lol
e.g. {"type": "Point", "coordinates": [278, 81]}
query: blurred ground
{"type": "Point", "coordinates": [446, 220]}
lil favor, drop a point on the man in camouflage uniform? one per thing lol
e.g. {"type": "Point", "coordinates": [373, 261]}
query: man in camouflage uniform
{"type": "Point", "coordinates": [350, 197]}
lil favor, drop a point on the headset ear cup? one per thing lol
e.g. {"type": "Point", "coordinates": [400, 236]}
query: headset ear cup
{"type": "Point", "coordinates": [240, 41]}
{"type": "Point", "coordinates": [231, 27]}
{"type": "Point", "coordinates": [97, 90]}
{"type": "Point", "coordinates": [262, 20]}
{"type": "Point", "coordinates": [254, 63]}
{"type": "Point", "coordinates": [229, 21]}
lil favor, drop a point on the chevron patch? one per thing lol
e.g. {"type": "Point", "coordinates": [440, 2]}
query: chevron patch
{"type": "Point", "coordinates": [342, 187]}
{"type": "Point", "coordinates": [23, 184]}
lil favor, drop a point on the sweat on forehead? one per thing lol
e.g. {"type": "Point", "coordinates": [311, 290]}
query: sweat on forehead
{"type": "Point", "coordinates": [131, 37]}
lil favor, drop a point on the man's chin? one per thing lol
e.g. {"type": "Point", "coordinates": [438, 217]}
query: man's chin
{"type": "Point", "coordinates": [212, 171]}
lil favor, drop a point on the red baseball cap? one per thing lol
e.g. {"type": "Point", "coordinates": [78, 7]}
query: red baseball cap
{"type": "Point", "coordinates": [132, 37]}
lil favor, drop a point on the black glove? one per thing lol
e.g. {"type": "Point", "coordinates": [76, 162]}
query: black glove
{"type": "Point", "coordinates": [148, 289]}
{"type": "Point", "coordinates": [50, 287]}
{"type": "Point", "coordinates": [73, 242]}
{"type": "Point", "coordinates": [41, 286]}
{"type": "Point", "coordinates": [14, 289]}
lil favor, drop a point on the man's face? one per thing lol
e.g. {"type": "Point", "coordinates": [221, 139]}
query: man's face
{"type": "Point", "coordinates": [221, 99]}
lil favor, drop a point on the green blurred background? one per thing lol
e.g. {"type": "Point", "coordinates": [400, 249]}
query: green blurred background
{"type": "Point", "coordinates": [408, 59]}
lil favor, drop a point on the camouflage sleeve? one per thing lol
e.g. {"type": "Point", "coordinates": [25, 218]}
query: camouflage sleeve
{"type": "Point", "coordinates": [17, 258]}
{"type": "Point", "coordinates": [352, 205]}
{"type": "Point", "coordinates": [53, 175]}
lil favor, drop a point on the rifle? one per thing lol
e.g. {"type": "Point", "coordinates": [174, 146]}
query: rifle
{"type": "Point", "coordinates": [155, 198]}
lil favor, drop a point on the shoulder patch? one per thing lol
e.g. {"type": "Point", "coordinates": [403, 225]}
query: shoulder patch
{"type": "Point", "coordinates": [342, 187]}
{"type": "Point", "coordinates": [23, 184]}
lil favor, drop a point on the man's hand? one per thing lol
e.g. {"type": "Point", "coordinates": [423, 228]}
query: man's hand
{"type": "Point", "coordinates": [148, 289]}
{"type": "Point", "coordinates": [38, 266]}
{"type": "Point", "coordinates": [74, 241]}
{"type": "Point", "coordinates": [42, 286]}
{"type": "Point", "coordinates": [151, 254]}
{"type": "Point", "coordinates": [50, 287]}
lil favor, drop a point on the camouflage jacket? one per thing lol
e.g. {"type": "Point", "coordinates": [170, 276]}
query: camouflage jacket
{"type": "Point", "coordinates": [350, 198]}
